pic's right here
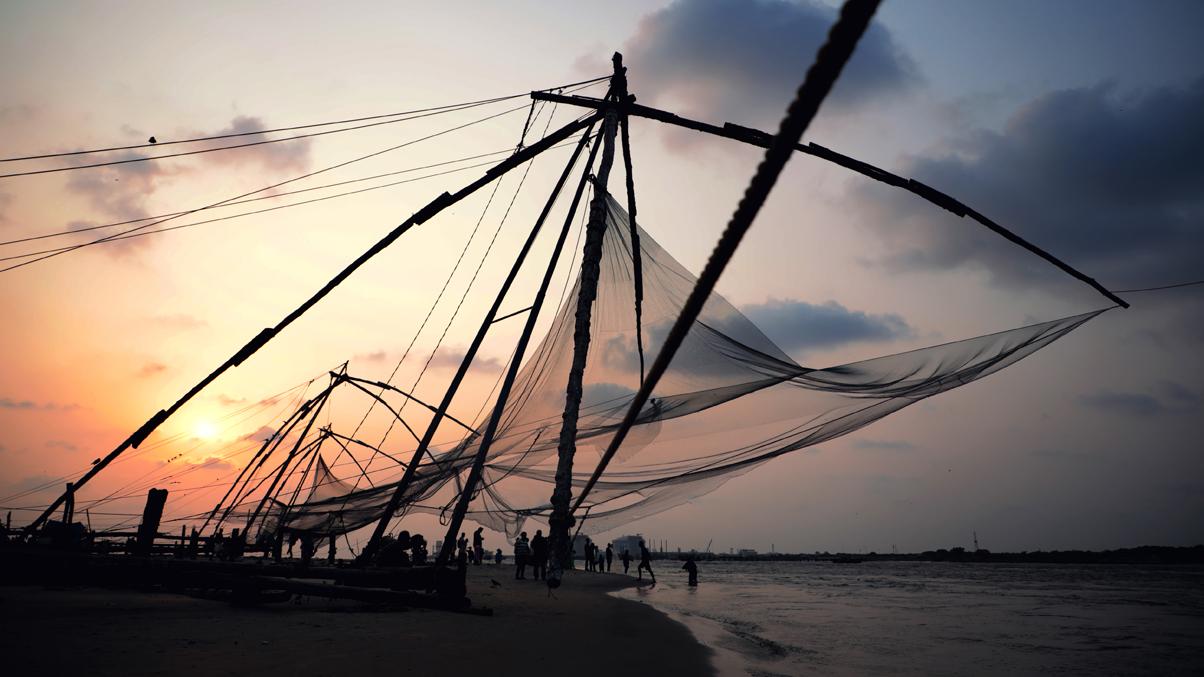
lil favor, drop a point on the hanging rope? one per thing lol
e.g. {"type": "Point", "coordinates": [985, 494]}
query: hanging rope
{"type": "Point", "coordinates": [842, 40]}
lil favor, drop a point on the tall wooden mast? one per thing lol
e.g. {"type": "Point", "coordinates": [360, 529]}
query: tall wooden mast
{"type": "Point", "coordinates": [561, 519]}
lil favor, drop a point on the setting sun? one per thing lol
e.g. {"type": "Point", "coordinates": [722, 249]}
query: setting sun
{"type": "Point", "coordinates": [205, 430]}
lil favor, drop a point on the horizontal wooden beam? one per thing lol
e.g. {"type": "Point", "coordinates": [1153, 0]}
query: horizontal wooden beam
{"type": "Point", "coordinates": [762, 139]}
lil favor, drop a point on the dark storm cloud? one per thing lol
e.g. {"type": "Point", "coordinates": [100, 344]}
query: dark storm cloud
{"type": "Point", "coordinates": [798, 325]}
{"type": "Point", "coordinates": [1113, 183]}
{"type": "Point", "coordinates": [742, 60]}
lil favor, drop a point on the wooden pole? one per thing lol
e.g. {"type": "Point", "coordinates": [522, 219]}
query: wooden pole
{"type": "Point", "coordinates": [763, 139]}
{"type": "Point", "coordinates": [69, 504]}
{"type": "Point", "coordinates": [151, 514]}
{"type": "Point", "coordinates": [261, 339]}
{"type": "Point", "coordinates": [424, 444]}
{"type": "Point", "coordinates": [478, 465]}
{"type": "Point", "coordinates": [284, 466]}
{"type": "Point", "coordinates": [561, 519]}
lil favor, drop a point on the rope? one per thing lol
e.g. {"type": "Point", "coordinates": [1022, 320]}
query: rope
{"type": "Point", "coordinates": [431, 110]}
{"type": "Point", "coordinates": [833, 55]}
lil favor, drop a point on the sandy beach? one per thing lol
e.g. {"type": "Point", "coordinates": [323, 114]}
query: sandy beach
{"type": "Point", "coordinates": [580, 631]}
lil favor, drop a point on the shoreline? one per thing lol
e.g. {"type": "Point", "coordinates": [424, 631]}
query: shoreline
{"type": "Point", "coordinates": [583, 630]}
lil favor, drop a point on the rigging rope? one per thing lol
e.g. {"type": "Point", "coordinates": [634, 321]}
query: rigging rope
{"type": "Point", "coordinates": [854, 18]}
{"type": "Point", "coordinates": [433, 109]}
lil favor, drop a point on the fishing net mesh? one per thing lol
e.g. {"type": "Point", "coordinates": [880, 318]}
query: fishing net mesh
{"type": "Point", "coordinates": [731, 400]}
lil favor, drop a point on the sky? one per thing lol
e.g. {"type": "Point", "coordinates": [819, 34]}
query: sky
{"type": "Point", "coordinates": [1077, 124]}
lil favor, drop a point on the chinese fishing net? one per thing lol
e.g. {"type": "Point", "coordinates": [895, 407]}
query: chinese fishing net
{"type": "Point", "coordinates": [731, 401]}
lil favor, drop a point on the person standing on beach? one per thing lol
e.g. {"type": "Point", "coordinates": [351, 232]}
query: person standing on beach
{"type": "Point", "coordinates": [610, 555]}
{"type": "Point", "coordinates": [691, 568]}
{"type": "Point", "coordinates": [539, 556]}
{"type": "Point", "coordinates": [462, 547]}
{"type": "Point", "coordinates": [626, 558]}
{"type": "Point", "coordinates": [497, 557]}
{"type": "Point", "coordinates": [601, 565]}
{"type": "Point", "coordinates": [645, 563]}
{"type": "Point", "coordinates": [522, 550]}
{"type": "Point", "coordinates": [478, 545]}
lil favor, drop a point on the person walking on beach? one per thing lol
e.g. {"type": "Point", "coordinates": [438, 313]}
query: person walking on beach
{"type": "Point", "coordinates": [539, 556]}
{"type": "Point", "coordinates": [522, 550]}
{"type": "Point", "coordinates": [601, 564]}
{"type": "Point", "coordinates": [691, 568]}
{"type": "Point", "coordinates": [478, 545]}
{"type": "Point", "coordinates": [626, 558]}
{"type": "Point", "coordinates": [610, 555]}
{"type": "Point", "coordinates": [589, 554]}
{"type": "Point", "coordinates": [645, 563]}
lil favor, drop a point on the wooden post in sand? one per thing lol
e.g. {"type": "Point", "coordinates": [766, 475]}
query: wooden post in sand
{"type": "Point", "coordinates": [69, 504]}
{"type": "Point", "coordinates": [151, 514]}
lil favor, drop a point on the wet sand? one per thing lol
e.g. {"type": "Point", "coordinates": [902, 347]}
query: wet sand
{"type": "Point", "coordinates": [581, 631]}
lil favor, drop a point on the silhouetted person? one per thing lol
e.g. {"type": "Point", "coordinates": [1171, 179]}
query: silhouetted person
{"type": "Point", "coordinates": [539, 556]}
{"type": "Point", "coordinates": [691, 568]}
{"type": "Point", "coordinates": [497, 557]}
{"type": "Point", "coordinates": [610, 556]}
{"type": "Point", "coordinates": [626, 559]}
{"type": "Point", "coordinates": [462, 547]}
{"type": "Point", "coordinates": [418, 549]}
{"type": "Point", "coordinates": [600, 567]}
{"type": "Point", "coordinates": [589, 554]}
{"type": "Point", "coordinates": [307, 548]}
{"type": "Point", "coordinates": [645, 563]}
{"type": "Point", "coordinates": [478, 545]}
{"type": "Point", "coordinates": [194, 538]}
{"type": "Point", "coordinates": [522, 551]}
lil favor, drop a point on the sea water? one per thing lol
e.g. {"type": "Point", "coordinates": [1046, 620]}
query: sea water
{"type": "Point", "coordinates": [929, 618]}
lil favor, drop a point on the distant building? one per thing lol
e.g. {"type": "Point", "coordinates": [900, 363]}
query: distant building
{"type": "Point", "coordinates": [631, 543]}
{"type": "Point", "coordinates": [746, 552]}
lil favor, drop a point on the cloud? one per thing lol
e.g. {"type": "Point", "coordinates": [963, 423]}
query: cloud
{"type": "Point", "coordinates": [61, 444]}
{"type": "Point", "coordinates": [1112, 183]}
{"type": "Point", "coordinates": [452, 357]}
{"type": "Point", "coordinates": [1133, 404]}
{"type": "Point", "coordinates": [262, 435]}
{"type": "Point", "coordinates": [30, 405]}
{"type": "Point", "coordinates": [798, 325]}
{"type": "Point", "coordinates": [376, 356]}
{"type": "Point", "coordinates": [742, 60]}
{"type": "Point", "coordinates": [1179, 393]}
{"type": "Point", "coordinates": [277, 157]}
{"type": "Point", "coordinates": [227, 401]}
{"type": "Point", "coordinates": [887, 445]}
{"type": "Point", "coordinates": [151, 369]}
{"type": "Point", "coordinates": [120, 192]}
